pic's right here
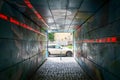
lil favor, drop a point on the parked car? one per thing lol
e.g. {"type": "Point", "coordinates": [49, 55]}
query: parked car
{"type": "Point", "coordinates": [57, 49]}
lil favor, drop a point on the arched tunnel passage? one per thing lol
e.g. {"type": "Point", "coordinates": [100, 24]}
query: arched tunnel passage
{"type": "Point", "coordinates": [24, 27]}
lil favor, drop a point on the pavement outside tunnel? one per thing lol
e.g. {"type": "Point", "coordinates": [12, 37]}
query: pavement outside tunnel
{"type": "Point", "coordinates": [56, 68]}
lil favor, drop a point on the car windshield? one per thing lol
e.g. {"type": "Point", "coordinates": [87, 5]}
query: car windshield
{"type": "Point", "coordinates": [57, 46]}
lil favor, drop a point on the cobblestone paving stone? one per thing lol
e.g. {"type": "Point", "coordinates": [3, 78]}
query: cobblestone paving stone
{"type": "Point", "coordinates": [60, 69]}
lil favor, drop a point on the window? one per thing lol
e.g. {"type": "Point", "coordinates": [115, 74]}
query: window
{"type": "Point", "coordinates": [53, 46]}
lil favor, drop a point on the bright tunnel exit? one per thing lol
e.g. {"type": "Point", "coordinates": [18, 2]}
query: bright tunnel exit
{"type": "Point", "coordinates": [60, 44]}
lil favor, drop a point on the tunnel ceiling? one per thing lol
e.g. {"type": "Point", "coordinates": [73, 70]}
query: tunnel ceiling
{"type": "Point", "coordinates": [57, 15]}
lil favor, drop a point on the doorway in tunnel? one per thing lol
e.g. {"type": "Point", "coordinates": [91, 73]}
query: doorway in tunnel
{"type": "Point", "coordinates": [60, 44]}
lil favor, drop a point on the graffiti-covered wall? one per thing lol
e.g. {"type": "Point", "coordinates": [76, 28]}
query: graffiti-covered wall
{"type": "Point", "coordinates": [22, 44]}
{"type": "Point", "coordinates": [97, 45]}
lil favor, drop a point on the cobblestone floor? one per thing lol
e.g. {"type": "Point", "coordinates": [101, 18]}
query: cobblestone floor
{"type": "Point", "coordinates": [56, 68]}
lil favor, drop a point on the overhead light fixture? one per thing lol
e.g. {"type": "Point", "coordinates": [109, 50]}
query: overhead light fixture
{"type": "Point", "coordinates": [61, 12]}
